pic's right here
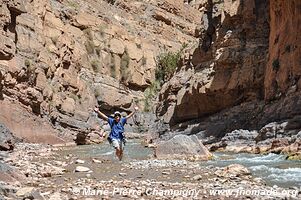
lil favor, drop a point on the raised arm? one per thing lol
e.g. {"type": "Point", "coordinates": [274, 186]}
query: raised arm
{"type": "Point", "coordinates": [100, 114]}
{"type": "Point", "coordinates": [132, 113]}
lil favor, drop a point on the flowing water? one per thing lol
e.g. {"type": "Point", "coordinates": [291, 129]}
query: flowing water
{"type": "Point", "coordinates": [272, 168]}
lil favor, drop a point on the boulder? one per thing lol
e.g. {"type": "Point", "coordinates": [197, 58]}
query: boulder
{"type": "Point", "coordinates": [116, 46]}
{"type": "Point", "coordinates": [82, 169]}
{"type": "Point", "coordinates": [68, 106]}
{"type": "Point", "coordinates": [149, 138]}
{"type": "Point", "coordinates": [27, 126]}
{"type": "Point", "coordinates": [79, 161]}
{"type": "Point", "coordinates": [133, 51]}
{"type": "Point", "coordinates": [85, 20]}
{"type": "Point", "coordinates": [279, 144]}
{"type": "Point", "coordinates": [58, 196]}
{"type": "Point", "coordinates": [7, 140]}
{"type": "Point", "coordinates": [94, 137]}
{"type": "Point", "coordinates": [239, 141]}
{"type": "Point", "coordinates": [182, 147]}
{"type": "Point", "coordinates": [94, 160]}
{"type": "Point", "coordinates": [235, 170]}
{"type": "Point", "coordinates": [294, 148]}
{"type": "Point", "coordinates": [271, 130]}
{"type": "Point", "coordinates": [25, 192]}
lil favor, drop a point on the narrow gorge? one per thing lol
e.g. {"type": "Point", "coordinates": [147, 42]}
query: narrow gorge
{"type": "Point", "coordinates": [215, 80]}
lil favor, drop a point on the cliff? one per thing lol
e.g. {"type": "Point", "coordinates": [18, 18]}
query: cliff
{"type": "Point", "coordinates": [243, 74]}
{"type": "Point", "coordinates": [60, 58]}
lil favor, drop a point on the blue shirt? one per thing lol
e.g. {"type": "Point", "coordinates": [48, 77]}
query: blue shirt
{"type": "Point", "coordinates": [117, 129]}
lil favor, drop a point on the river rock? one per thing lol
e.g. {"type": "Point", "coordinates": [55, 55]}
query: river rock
{"type": "Point", "coordinates": [149, 139]}
{"type": "Point", "coordinates": [196, 178]}
{"type": "Point", "coordinates": [235, 170]}
{"type": "Point", "coordinates": [239, 141]}
{"type": "Point", "coordinates": [270, 131]}
{"type": "Point", "coordinates": [25, 192]}
{"type": "Point", "coordinates": [182, 147]}
{"type": "Point", "coordinates": [81, 169]}
{"type": "Point", "coordinates": [279, 144]}
{"type": "Point", "coordinates": [294, 148]}
{"type": "Point", "coordinates": [96, 161]}
{"type": "Point", "coordinates": [79, 161]}
{"type": "Point", "coordinates": [122, 174]}
{"type": "Point", "coordinates": [58, 196]}
{"type": "Point", "coordinates": [166, 171]}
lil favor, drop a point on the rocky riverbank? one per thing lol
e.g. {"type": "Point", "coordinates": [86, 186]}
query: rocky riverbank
{"type": "Point", "coordinates": [47, 173]}
{"type": "Point", "coordinates": [280, 138]}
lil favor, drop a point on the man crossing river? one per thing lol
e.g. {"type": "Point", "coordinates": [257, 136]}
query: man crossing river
{"type": "Point", "coordinates": [117, 123]}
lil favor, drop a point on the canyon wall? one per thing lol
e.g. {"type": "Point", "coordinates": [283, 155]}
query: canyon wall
{"type": "Point", "coordinates": [283, 70]}
{"type": "Point", "coordinates": [227, 67]}
{"type": "Point", "coordinates": [243, 74]}
{"type": "Point", "coordinates": [58, 59]}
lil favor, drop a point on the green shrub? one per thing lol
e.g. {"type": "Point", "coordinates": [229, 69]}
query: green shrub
{"type": "Point", "coordinates": [95, 65]}
{"type": "Point", "coordinates": [97, 92]}
{"type": "Point", "coordinates": [113, 70]}
{"type": "Point", "coordinates": [102, 29]}
{"type": "Point", "coordinates": [30, 67]}
{"type": "Point", "coordinates": [143, 61]}
{"type": "Point", "coordinates": [111, 1]}
{"type": "Point", "coordinates": [98, 50]}
{"type": "Point", "coordinates": [73, 4]}
{"type": "Point", "coordinates": [113, 66]}
{"type": "Point", "coordinates": [88, 33]}
{"type": "Point", "coordinates": [149, 95]}
{"type": "Point", "coordinates": [167, 64]}
{"type": "Point", "coordinates": [124, 66]}
{"type": "Point", "coordinates": [54, 39]}
{"type": "Point", "coordinates": [27, 63]}
{"type": "Point", "coordinates": [89, 44]}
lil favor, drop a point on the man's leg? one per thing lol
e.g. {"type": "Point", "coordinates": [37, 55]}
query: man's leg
{"type": "Point", "coordinates": [117, 152]}
{"type": "Point", "coordinates": [116, 145]}
{"type": "Point", "coordinates": [120, 150]}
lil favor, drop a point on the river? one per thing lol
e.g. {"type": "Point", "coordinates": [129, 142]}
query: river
{"type": "Point", "coordinates": [274, 169]}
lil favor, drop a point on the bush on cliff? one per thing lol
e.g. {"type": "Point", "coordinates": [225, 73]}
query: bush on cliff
{"type": "Point", "coordinates": [167, 64]}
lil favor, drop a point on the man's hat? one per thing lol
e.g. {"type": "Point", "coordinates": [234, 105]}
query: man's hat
{"type": "Point", "coordinates": [117, 113]}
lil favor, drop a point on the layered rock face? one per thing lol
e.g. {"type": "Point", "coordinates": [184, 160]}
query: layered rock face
{"type": "Point", "coordinates": [244, 74]}
{"type": "Point", "coordinates": [226, 68]}
{"type": "Point", "coordinates": [58, 59]}
{"type": "Point", "coordinates": [283, 70]}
